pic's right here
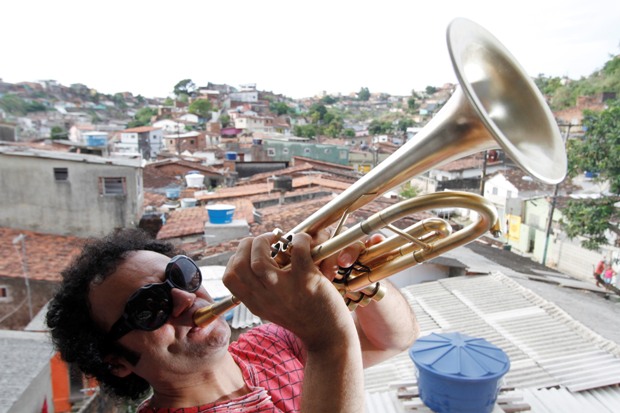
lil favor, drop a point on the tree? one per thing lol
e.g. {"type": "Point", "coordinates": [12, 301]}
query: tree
{"type": "Point", "coordinates": [201, 107]}
{"type": "Point", "coordinates": [184, 87]}
{"type": "Point", "coordinates": [58, 132]}
{"type": "Point", "coordinates": [142, 117]}
{"type": "Point", "coordinates": [279, 108]}
{"type": "Point", "coordinates": [408, 190]}
{"type": "Point", "coordinates": [430, 90]}
{"type": "Point", "coordinates": [363, 94]}
{"type": "Point", "coordinates": [597, 153]}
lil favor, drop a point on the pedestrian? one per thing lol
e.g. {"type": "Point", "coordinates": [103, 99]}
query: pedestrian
{"type": "Point", "coordinates": [599, 270]}
{"type": "Point", "coordinates": [609, 275]}
{"type": "Point", "coordinates": [124, 315]}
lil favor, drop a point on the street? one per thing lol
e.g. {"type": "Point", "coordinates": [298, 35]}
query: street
{"type": "Point", "coordinates": [581, 299]}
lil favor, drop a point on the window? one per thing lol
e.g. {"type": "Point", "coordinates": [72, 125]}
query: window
{"type": "Point", "coordinates": [494, 191]}
{"type": "Point", "coordinates": [271, 152]}
{"type": "Point", "coordinates": [4, 294]}
{"type": "Point", "coordinates": [112, 186]}
{"type": "Point", "coordinates": [285, 151]}
{"type": "Point", "coordinates": [61, 174]}
{"type": "Point", "coordinates": [306, 151]}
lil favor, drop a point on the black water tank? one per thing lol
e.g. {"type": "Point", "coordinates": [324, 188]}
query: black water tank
{"type": "Point", "coordinates": [283, 183]}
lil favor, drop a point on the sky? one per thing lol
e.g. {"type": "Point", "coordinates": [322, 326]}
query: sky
{"type": "Point", "coordinates": [297, 48]}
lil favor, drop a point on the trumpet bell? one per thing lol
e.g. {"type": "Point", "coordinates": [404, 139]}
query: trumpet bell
{"type": "Point", "coordinates": [506, 101]}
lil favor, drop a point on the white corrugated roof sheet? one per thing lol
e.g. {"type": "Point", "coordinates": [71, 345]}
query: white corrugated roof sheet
{"type": "Point", "coordinates": [547, 348]}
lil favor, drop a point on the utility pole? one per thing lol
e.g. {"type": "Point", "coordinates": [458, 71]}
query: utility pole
{"type": "Point", "coordinates": [484, 172]}
{"type": "Point", "coordinates": [552, 207]}
{"type": "Point", "coordinates": [22, 238]}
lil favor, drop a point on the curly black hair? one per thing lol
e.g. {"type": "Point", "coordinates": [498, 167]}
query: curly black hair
{"type": "Point", "coordinates": [74, 333]}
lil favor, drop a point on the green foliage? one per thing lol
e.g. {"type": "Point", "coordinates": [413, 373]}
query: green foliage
{"type": "Point", "coordinates": [119, 101]}
{"type": "Point", "coordinates": [280, 108]}
{"type": "Point", "coordinates": [430, 90]}
{"type": "Point", "coordinates": [201, 107]}
{"type": "Point", "coordinates": [598, 152]}
{"type": "Point", "coordinates": [404, 123]}
{"type": "Point", "coordinates": [328, 100]}
{"type": "Point", "coordinates": [15, 105]}
{"type": "Point", "coordinates": [224, 120]}
{"type": "Point", "coordinates": [412, 103]}
{"type": "Point", "coordinates": [306, 131]}
{"type": "Point", "coordinates": [590, 218]}
{"type": "Point", "coordinates": [58, 133]}
{"type": "Point", "coordinates": [564, 94]}
{"type": "Point", "coordinates": [363, 94]}
{"type": "Point", "coordinates": [409, 191]}
{"type": "Point", "coordinates": [184, 87]}
{"type": "Point", "coordinates": [379, 127]}
{"type": "Point", "coordinates": [142, 118]}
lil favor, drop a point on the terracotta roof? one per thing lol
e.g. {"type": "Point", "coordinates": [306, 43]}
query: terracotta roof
{"type": "Point", "coordinates": [291, 170]}
{"type": "Point", "coordinates": [191, 221]}
{"type": "Point", "coordinates": [265, 188]}
{"type": "Point", "coordinates": [46, 254]}
{"type": "Point", "coordinates": [523, 182]}
{"type": "Point", "coordinates": [469, 162]}
{"type": "Point", "coordinates": [184, 222]}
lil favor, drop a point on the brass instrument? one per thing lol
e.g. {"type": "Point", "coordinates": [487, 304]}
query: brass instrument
{"type": "Point", "coordinates": [495, 106]}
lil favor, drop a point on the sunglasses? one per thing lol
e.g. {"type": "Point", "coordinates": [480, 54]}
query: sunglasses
{"type": "Point", "coordinates": [150, 306]}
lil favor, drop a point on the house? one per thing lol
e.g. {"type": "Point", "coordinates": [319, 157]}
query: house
{"type": "Point", "coordinates": [169, 126]}
{"type": "Point", "coordinates": [178, 143]}
{"type": "Point", "coordinates": [65, 193]}
{"type": "Point", "coordinates": [145, 141]}
{"type": "Point", "coordinates": [528, 232]}
{"type": "Point", "coordinates": [171, 172]}
{"type": "Point", "coordinates": [285, 150]}
{"type": "Point", "coordinates": [502, 187]}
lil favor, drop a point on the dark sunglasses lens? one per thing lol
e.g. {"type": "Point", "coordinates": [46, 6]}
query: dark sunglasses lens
{"type": "Point", "coordinates": [184, 274]}
{"type": "Point", "coordinates": [150, 308]}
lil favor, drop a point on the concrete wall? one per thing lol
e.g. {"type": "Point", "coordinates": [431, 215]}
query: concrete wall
{"type": "Point", "coordinates": [38, 392]}
{"type": "Point", "coordinates": [33, 199]}
{"type": "Point", "coordinates": [14, 308]}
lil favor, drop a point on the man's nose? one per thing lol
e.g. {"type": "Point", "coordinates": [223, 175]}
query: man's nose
{"type": "Point", "coordinates": [181, 301]}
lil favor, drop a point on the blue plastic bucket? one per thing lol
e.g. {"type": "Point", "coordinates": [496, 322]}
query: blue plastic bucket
{"type": "Point", "coordinates": [458, 373]}
{"type": "Point", "coordinates": [220, 213]}
{"type": "Point", "coordinates": [173, 193]}
{"type": "Point", "coordinates": [231, 156]}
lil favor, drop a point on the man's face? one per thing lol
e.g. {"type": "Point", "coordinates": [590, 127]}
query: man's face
{"type": "Point", "coordinates": [175, 347]}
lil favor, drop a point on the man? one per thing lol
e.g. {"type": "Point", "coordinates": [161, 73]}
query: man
{"type": "Point", "coordinates": [124, 315]}
{"type": "Point", "coordinates": [599, 270]}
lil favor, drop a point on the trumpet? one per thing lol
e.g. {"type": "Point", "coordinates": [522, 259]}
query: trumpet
{"type": "Point", "coordinates": [494, 106]}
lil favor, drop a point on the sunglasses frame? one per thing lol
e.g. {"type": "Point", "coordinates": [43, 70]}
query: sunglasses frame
{"type": "Point", "coordinates": [126, 323]}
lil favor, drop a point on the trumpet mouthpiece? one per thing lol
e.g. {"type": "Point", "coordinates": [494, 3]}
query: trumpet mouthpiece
{"type": "Point", "coordinates": [204, 316]}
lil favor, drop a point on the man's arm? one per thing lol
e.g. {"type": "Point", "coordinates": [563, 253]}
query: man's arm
{"type": "Point", "coordinates": [386, 327]}
{"type": "Point", "coordinates": [303, 301]}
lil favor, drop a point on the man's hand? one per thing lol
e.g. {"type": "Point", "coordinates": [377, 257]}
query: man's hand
{"type": "Point", "coordinates": [299, 298]}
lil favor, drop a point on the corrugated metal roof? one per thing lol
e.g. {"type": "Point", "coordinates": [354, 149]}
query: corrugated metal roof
{"type": "Point", "coordinates": [547, 348]}
{"type": "Point", "coordinates": [212, 280]}
{"type": "Point", "coordinates": [23, 357]}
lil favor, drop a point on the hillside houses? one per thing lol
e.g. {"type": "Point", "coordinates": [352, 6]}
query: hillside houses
{"type": "Point", "coordinates": [163, 176]}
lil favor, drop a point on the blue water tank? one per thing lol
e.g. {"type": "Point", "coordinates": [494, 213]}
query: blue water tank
{"type": "Point", "coordinates": [458, 373]}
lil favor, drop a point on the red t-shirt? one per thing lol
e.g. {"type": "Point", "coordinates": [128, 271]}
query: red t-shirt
{"type": "Point", "coordinates": [599, 268]}
{"type": "Point", "coordinates": [270, 359]}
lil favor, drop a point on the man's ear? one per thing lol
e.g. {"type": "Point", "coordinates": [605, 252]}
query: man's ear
{"type": "Point", "coordinates": [118, 365]}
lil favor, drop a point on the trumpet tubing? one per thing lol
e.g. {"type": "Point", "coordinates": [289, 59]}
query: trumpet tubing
{"type": "Point", "coordinates": [495, 106]}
